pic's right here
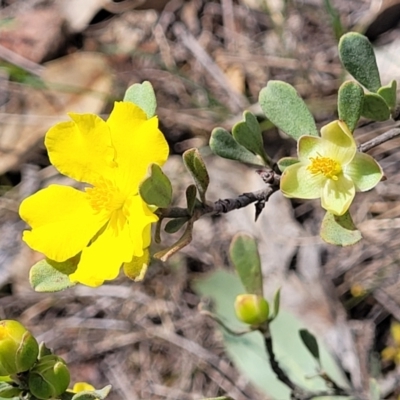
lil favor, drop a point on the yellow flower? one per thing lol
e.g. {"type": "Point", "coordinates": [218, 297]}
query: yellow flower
{"type": "Point", "coordinates": [329, 167]}
{"type": "Point", "coordinates": [106, 225]}
{"type": "Point", "coordinates": [82, 387]}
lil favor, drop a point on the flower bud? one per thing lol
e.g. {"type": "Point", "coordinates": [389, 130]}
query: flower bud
{"type": "Point", "coordinates": [251, 309]}
{"type": "Point", "coordinates": [18, 348]}
{"type": "Point", "coordinates": [49, 377]}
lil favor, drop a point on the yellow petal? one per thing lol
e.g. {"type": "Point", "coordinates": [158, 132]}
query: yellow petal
{"type": "Point", "coordinates": [136, 269]}
{"type": "Point", "coordinates": [309, 146]}
{"type": "Point", "coordinates": [395, 332]}
{"type": "Point", "coordinates": [104, 257]}
{"type": "Point", "coordinates": [82, 386]}
{"type": "Point", "coordinates": [137, 141]}
{"type": "Point", "coordinates": [62, 222]}
{"type": "Point", "coordinates": [338, 195]}
{"type": "Point", "coordinates": [339, 142]}
{"type": "Point", "coordinates": [81, 148]}
{"type": "Point", "coordinates": [297, 181]}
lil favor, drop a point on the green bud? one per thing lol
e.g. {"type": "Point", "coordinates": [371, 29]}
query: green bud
{"type": "Point", "coordinates": [251, 309]}
{"type": "Point", "coordinates": [18, 348]}
{"type": "Point", "coordinates": [49, 377]}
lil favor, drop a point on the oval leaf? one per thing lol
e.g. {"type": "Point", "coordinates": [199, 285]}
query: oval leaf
{"type": "Point", "coordinates": [195, 165]}
{"type": "Point", "coordinates": [248, 134]}
{"type": "Point", "coordinates": [191, 193]}
{"type": "Point", "coordinates": [175, 224]}
{"type": "Point", "coordinates": [142, 94]}
{"type": "Point", "coordinates": [375, 107]}
{"type": "Point", "coordinates": [350, 103]}
{"type": "Point", "coordinates": [389, 94]}
{"type": "Point", "coordinates": [310, 342]}
{"type": "Point", "coordinates": [340, 231]}
{"type": "Point", "coordinates": [246, 259]}
{"type": "Point", "coordinates": [224, 145]}
{"type": "Point", "coordinates": [51, 276]}
{"type": "Point", "coordinates": [286, 109]}
{"type": "Point", "coordinates": [358, 57]}
{"type": "Point", "coordinates": [156, 189]}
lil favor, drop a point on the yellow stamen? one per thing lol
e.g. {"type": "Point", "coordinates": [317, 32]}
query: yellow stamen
{"type": "Point", "coordinates": [104, 196]}
{"type": "Point", "coordinates": [326, 166]}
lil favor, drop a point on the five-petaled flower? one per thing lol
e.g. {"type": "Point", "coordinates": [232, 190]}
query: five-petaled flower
{"type": "Point", "coordinates": [107, 225]}
{"type": "Point", "coordinates": [329, 167]}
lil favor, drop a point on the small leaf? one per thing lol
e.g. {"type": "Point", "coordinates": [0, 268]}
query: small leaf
{"type": "Point", "coordinates": [175, 224]}
{"type": "Point", "coordinates": [156, 189]}
{"type": "Point", "coordinates": [246, 259]}
{"type": "Point", "coordinates": [339, 230]}
{"type": "Point", "coordinates": [277, 300]}
{"type": "Point", "coordinates": [310, 342]}
{"type": "Point", "coordinates": [224, 145]}
{"type": "Point", "coordinates": [350, 103]}
{"type": "Point", "coordinates": [191, 193]}
{"type": "Point", "coordinates": [374, 390]}
{"type": "Point", "coordinates": [100, 394]}
{"type": "Point", "coordinates": [51, 276]}
{"type": "Point", "coordinates": [142, 94]}
{"type": "Point", "coordinates": [285, 162]}
{"type": "Point", "coordinates": [195, 165]}
{"type": "Point", "coordinates": [9, 391]}
{"type": "Point", "coordinates": [286, 109]}
{"type": "Point", "coordinates": [375, 107]}
{"type": "Point", "coordinates": [389, 94]}
{"type": "Point", "coordinates": [358, 57]}
{"type": "Point", "coordinates": [248, 134]}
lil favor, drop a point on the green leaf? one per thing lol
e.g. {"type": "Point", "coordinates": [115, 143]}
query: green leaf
{"type": "Point", "coordinates": [286, 109]}
{"type": "Point", "coordinates": [191, 199]}
{"type": "Point", "coordinates": [51, 276]}
{"type": "Point", "coordinates": [285, 162]}
{"type": "Point", "coordinates": [93, 395]}
{"type": "Point", "coordinates": [350, 103]}
{"type": "Point", "coordinates": [248, 134]}
{"type": "Point", "coordinates": [8, 391]}
{"type": "Point", "coordinates": [374, 390]}
{"type": "Point", "coordinates": [310, 342]}
{"type": "Point", "coordinates": [358, 57]}
{"type": "Point", "coordinates": [389, 94]}
{"type": "Point", "coordinates": [142, 94]}
{"type": "Point", "coordinates": [375, 107]}
{"type": "Point", "coordinates": [277, 300]}
{"type": "Point", "coordinates": [195, 165]}
{"type": "Point", "coordinates": [156, 189]}
{"type": "Point", "coordinates": [246, 259]}
{"type": "Point", "coordinates": [339, 230]}
{"type": "Point", "coordinates": [175, 224]}
{"type": "Point", "coordinates": [224, 145]}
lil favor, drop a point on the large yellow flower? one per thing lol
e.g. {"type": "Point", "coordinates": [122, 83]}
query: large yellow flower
{"type": "Point", "coordinates": [329, 167]}
{"type": "Point", "coordinates": [108, 224]}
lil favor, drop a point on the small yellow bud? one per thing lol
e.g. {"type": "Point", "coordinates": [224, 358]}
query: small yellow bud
{"type": "Point", "coordinates": [18, 348]}
{"type": "Point", "coordinates": [251, 309]}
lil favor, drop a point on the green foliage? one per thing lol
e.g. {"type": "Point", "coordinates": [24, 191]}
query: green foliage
{"type": "Point", "coordinates": [285, 162]}
{"type": "Point", "coordinates": [142, 94]}
{"type": "Point", "coordinates": [224, 145]}
{"type": "Point", "coordinates": [389, 94]}
{"type": "Point", "coordinates": [156, 189]}
{"type": "Point", "coordinates": [358, 57]}
{"type": "Point", "coordinates": [375, 107]}
{"type": "Point", "coordinates": [311, 343]}
{"type": "Point", "coordinates": [339, 230]}
{"type": "Point", "coordinates": [248, 134]}
{"type": "Point", "coordinates": [286, 109]}
{"type": "Point", "coordinates": [175, 224]}
{"type": "Point", "coordinates": [195, 165]}
{"type": "Point", "coordinates": [350, 103]}
{"type": "Point", "coordinates": [244, 254]}
{"type": "Point", "coordinates": [51, 276]}
{"type": "Point", "coordinates": [191, 199]}
{"type": "Point", "coordinates": [277, 301]}
{"type": "Point", "coordinates": [9, 391]}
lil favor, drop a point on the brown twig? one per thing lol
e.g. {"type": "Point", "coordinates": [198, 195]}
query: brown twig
{"type": "Point", "coordinates": [386, 136]}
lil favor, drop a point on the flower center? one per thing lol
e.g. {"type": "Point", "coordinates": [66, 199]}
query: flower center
{"type": "Point", "coordinates": [105, 196]}
{"type": "Point", "coordinates": [326, 166]}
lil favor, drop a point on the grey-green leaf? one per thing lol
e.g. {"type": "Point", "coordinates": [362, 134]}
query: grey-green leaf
{"type": "Point", "coordinates": [339, 230]}
{"type": "Point", "coordinates": [156, 189]}
{"type": "Point", "coordinates": [191, 199]}
{"type": "Point", "coordinates": [350, 103]}
{"type": "Point", "coordinates": [224, 145]}
{"type": "Point", "coordinates": [175, 224]}
{"type": "Point", "coordinates": [375, 107]}
{"type": "Point", "coordinates": [286, 109]}
{"type": "Point", "coordinates": [197, 168]}
{"type": "Point", "coordinates": [310, 342]}
{"type": "Point", "coordinates": [389, 94]}
{"type": "Point", "coordinates": [246, 259]}
{"type": "Point", "coordinates": [277, 301]}
{"type": "Point", "coordinates": [248, 134]}
{"type": "Point", "coordinates": [358, 57]}
{"type": "Point", "coordinates": [285, 162]}
{"type": "Point", "coordinates": [142, 94]}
